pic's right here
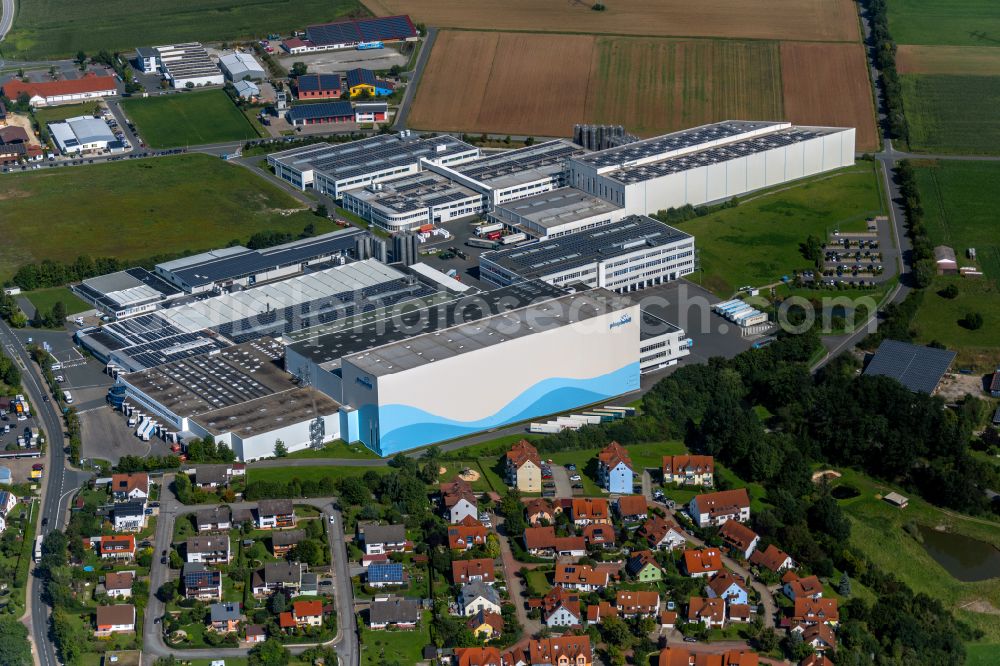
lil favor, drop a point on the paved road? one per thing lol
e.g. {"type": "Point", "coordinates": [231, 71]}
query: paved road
{"type": "Point", "coordinates": [7, 20]}
{"type": "Point", "coordinates": [346, 640]}
{"type": "Point", "coordinates": [61, 481]}
{"type": "Point", "coordinates": [515, 585]}
{"type": "Point", "coordinates": [403, 112]}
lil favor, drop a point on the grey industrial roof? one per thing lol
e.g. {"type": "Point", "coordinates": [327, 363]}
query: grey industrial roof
{"type": "Point", "coordinates": [145, 51]}
{"type": "Point", "coordinates": [376, 154]}
{"type": "Point", "coordinates": [186, 60]}
{"type": "Point", "coordinates": [651, 326]}
{"type": "Point", "coordinates": [89, 129]}
{"type": "Point", "coordinates": [562, 253]}
{"type": "Point", "coordinates": [123, 288]}
{"type": "Point", "coordinates": [441, 311]}
{"type": "Point", "coordinates": [459, 339]}
{"type": "Point", "coordinates": [241, 64]}
{"type": "Point", "coordinates": [917, 368]}
{"type": "Point", "coordinates": [269, 413]}
{"type": "Point", "coordinates": [559, 206]}
{"type": "Point", "coordinates": [523, 165]}
{"type": "Point", "coordinates": [222, 265]}
{"type": "Point", "coordinates": [413, 193]}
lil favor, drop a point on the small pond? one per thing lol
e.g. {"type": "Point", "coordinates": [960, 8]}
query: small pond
{"type": "Point", "coordinates": [965, 558]}
{"type": "Point", "coordinates": [844, 491]}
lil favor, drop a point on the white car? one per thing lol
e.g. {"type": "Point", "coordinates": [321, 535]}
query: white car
{"type": "Point", "coordinates": [332, 520]}
{"type": "Point", "coordinates": [575, 477]}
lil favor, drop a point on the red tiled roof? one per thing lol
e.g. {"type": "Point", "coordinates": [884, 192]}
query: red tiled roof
{"type": "Point", "coordinates": [579, 574]}
{"type": "Point", "coordinates": [126, 483]}
{"type": "Point", "coordinates": [815, 610]}
{"type": "Point", "coordinates": [286, 621]}
{"type": "Point", "coordinates": [522, 452]}
{"type": "Point", "coordinates": [771, 557]}
{"type": "Point", "coordinates": [548, 650]}
{"type": "Point", "coordinates": [637, 601]}
{"type": "Point", "coordinates": [118, 543]}
{"type": "Point", "coordinates": [615, 453]}
{"type": "Point", "coordinates": [539, 537]}
{"type": "Point", "coordinates": [462, 570]}
{"type": "Point", "coordinates": [723, 502]}
{"type": "Point", "coordinates": [87, 84]}
{"type": "Point", "coordinates": [307, 608]}
{"type": "Point", "coordinates": [656, 528]}
{"type": "Point", "coordinates": [632, 505]}
{"type": "Point", "coordinates": [592, 508]}
{"type": "Point", "coordinates": [685, 464]}
{"type": "Point", "coordinates": [702, 607]}
{"type": "Point", "coordinates": [737, 535]}
{"type": "Point", "coordinates": [700, 561]}
{"type": "Point", "coordinates": [487, 656]}
{"type": "Point", "coordinates": [723, 581]}
{"type": "Point", "coordinates": [601, 534]}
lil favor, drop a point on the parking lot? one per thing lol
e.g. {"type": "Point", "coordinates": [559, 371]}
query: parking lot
{"type": "Point", "coordinates": [330, 62]}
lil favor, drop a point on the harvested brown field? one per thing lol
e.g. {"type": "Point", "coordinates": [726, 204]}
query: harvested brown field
{"type": "Point", "coordinates": [827, 84]}
{"type": "Point", "coordinates": [810, 20]}
{"type": "Point", "coordinates": [978, 60]}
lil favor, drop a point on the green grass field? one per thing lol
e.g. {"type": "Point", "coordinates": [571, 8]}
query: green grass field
{"type": "Point", "coordinates": [938, 317]}
{"type": "Point", "coordinates": [56, 113]}
{"type": "Point", "coordinates": [44, 299]}
{"type": "Point", "coordinates": [60, 28]}
{"type": "Point", "coordinates": [286, 474]}
{"type": "Point", "coordinates": [395, 647]}
{"type": "Point", "coordinates": [757, 242]}
{"type": "Point", "coordinates": [959, 22]}
{"type": "Point", "coordinates": [952, 114]}
{"type": "Point", "coordinates": [982, 654]}
{"type": "Point", "coordinates": [188, 119]}
{"type": "Point", "coordinates": [338, 449]}
{"type": "Point", "coordinates": [170, 204]}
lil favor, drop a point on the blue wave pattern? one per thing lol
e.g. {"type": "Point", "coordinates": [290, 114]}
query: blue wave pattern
{"type": "Point", "coordinates": [403, 427]}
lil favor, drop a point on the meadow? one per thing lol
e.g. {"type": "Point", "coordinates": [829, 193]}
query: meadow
{"type": "Point", "coordinates": [60, 28]}
{"type": "Point", "coordinates": [758, 241]}
{"type": "Point", "coordinates": [44, 299]}
{"type": "Point", "coordinates": [956, 22]}
{"type": "Point", "coordinates": [916, 59]}
{"type": "Point", "coordinates": [188, 118]}
{"type": "Point", "coordinates": [163, 205]}
{"type": "Point", "coordinates": [952, 114]}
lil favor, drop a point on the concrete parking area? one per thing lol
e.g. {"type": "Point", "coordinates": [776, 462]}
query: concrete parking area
{"type": "Point", "coordinates": [329, 62]}
{"type": "Point", "coordinates": [107, 436]}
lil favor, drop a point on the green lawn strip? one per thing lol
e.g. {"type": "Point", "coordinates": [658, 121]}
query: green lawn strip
{"type": "Point", "coordinates": [952, 114]}
{"type": "Point", "coordinates": [981, 654]}
{"type": "Point", "coordinates": [54, 114]}
{"type": "Point", "coordinates": [44, 299]}
{"type": "Point", "coordinates": [286, 474]}
{"type": "Point", "coordinates": [729, 478]}
{"type": "Point", "coordinates": [168, 205]}
{"type": "Point", "coordinates": [388, 647]}
{"type": "Point", "coordinates": [757, 242]}
{"type": "Point", "coordinates": [185, 119]}
{"type": "Point", "coordinates": [537, 582]}
{"type": "Point", "coordinates": [338, 449]}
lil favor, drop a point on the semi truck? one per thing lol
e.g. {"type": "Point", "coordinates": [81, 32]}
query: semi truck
{"type": "Point", "coordinates": [545, 428]}
{"type": "Point", "coordinates": [480, 242]}
{"type": "Point", "coordinates": [514, 238]}
{"type": "Point", "coordinates": [489, 228]}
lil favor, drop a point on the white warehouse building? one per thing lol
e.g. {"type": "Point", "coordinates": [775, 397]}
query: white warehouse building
{"type": "Point", "coordinates": [557, 212]}
{"type": "Point", "coordinates": [709, 163]}
{"type": "Point", "coordinates": [183, 64]}
{"type": "Point", "coordinates": [408, 203]}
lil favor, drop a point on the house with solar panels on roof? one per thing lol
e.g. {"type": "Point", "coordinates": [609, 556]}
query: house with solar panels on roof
{"type": "Point", "coordinates": [352, 34]}
{"type": "Point", "coordinates": [386, 574]}
{"type": "Point", "coordinates": [361, 82]}
{"type": "Point", "coordinates": [318, 86]}
{"type": "Point", "coordinates": [321, 112]}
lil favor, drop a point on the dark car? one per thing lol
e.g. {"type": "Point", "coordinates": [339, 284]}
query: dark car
{"type": "Point", "coordinates": [690, 639]}
{"type": "Point", "coordinates": [45, 521]}
{"type": "Point", "coordinates": [164, 552]}
{"type": "Point", "coordinates": [163, 560]}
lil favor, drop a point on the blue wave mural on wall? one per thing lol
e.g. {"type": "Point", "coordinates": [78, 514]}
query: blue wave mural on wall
{"type": "Point", "coordinates": [404, 427]}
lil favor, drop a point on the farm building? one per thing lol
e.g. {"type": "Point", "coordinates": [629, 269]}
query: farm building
{"type": "Point", "coordinates": [323, 112]}
{"type": "Point", "coordinates": [184, 65]}
{"type": "Point", "coordinates": [318, 86]}
{"type": "Point", "coordinates": [370, 112]}
{"type": "Point", "coordinates": [247, 90]}
{"type": "Point", "coordinates": [918, 368]}
{"type": "Point", "coordinates": [239, 66]}
{"type": "Point", "coordinates": [709, 163]}
{"type": "Point", "coordinates": [411, 202]}
{"type": "Point", "coordinates": [945, 260]}
{"type": "Point", "coordinates": [636, 252]}
{"type": "Point", "coordinates": [51, 93]}
{"type": "Point", "coordinates": [348, 34]}
{"type": "Point", "coordinates": [84, 134]}
{"type": "Point", "coordinates": [333, 169]}
{"type": "Point", "coordinates": [363, 82]}
{"type": "Point", "coordinates": [558, 212]}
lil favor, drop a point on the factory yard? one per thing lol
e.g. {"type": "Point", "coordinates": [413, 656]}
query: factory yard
{"type": "Point", "coordinates": [186, 119]}
{"type": "Point", "coordinates": [819, 20]}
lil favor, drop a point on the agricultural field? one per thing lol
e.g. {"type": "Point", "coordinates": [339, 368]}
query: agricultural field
{"type": "Point", "coordinates": [952, 114]}
{"type": "Point", "coordinates": [183, 119]}
{"type": "Point", "coordinates": [535, 84]}
{"type": "Point", "coordinates": [812, 20]}
{"type": "Point", "coordinates": [170, 204]}
{"type": "Point", "coordinates": [915, 59]}
{"type": "Point", "coordinates": [758, 241]}
{"type": "Point", "coordinates": [827, 84]}
{"type": "Point", "coordinates": [60, 28]}
{"type": "Point", "coordinates": [955, 22]}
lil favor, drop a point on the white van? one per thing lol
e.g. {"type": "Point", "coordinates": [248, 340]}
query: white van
{"type": "Point", "coordinates": [68, 397]}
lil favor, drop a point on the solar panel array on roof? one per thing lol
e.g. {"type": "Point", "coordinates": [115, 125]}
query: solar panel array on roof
{"type": "Point", "coordinates": [321, 111]}
{"type": "Point", "coordinates": [357, 77]}
{"type": "Point", "coordinates": [917, 368]}
{"type": "Point", "coordinates": [311, 82]}
{"type": "Point", "coordinates": [380, 29]}
{"type": "Point", "coordinates": [391, 572]}
{"type": "Point", "coordinates": [549, 157]}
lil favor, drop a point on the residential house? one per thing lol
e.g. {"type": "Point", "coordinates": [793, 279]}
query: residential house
{"type": "Point", "coordinates": [561, 651]}
{"type": "Point", "coordinates": [273, 514]}
{"type": "Point", "coordinates": [615, 469]}
{"type": "Point", "coordinates": [662, 533]}
{"type": "Point", "coordinates": [772, 558]}
{"type": "Point", "coordinates": [380, 539]}
{"type": "Point", "coordinates": [599, 536]}
{"type": "Point", "coordinates": [285, 576]}
{"type": "Point", "coordinates": [225, 617]}
{"type": "Point", "coordinates": [795, 587]}
{"type": "Point", "coordinates": [597, 613]}
{"type": "Point", "coordinates": [8, 501]}
{"type": "Point", "coordinates": [467, 571]}
{"type": "Point", "coordinates": [668, 619]}
{"type": "Point", "coordinates": [117, 619]}
{"type": "Point", "coordinates": [387, 574]}
{"type": "Point", "coordinates": [815, 611]}
{"type": "Point", "coordinates": [543, 542]}
{"type": "Point", "coordinates": [255, 633]}
{"type": "Point", "coordinates": [637, 603]}
{"type": "Point", "coordinates": [642, 566]}
{"type": "Point", "coordinates": [201, 583]}
{"type": "Point", "coordinates": [307, 613]}
{"type": "Point", "coordinates": [710, 612]}
{"type": "Point", "coordinates": [478, 596]}
{"type": "Point", "coordinates": [689, 470]}
{"type": "Point", "coordinates": [682, 656]}
{"type": "Point", "coordinates": [116, 547]}
{"type": "Point", "coordinates": [467, 535]}
{"type": "Point", "coordinates": [485, 625]}
{"type": "Point", "coordinates": [703, 562]}
{"type": "Point", "coordinates": [363, 82]}
{"type": "Point", "coordinates": [590, 510]}
{"type": "Point", "coordinates": [560, 607]}
{"type": "Point", "coordinates": [540, 512]}
{"type": "Point", "coordinates": [310, 584]}
{"type": "Point", "coordinates": [581, 577]}
{"type": "Point", "coordinates": [130, 487]}
{"type": "Point", "coordinates": [119, 584]}
{"type": "Point", "coordinates": [393, 611]}
{"type": "Point", "coordinates": [524, 468]}
{"type": "Point", "coordinates": [458, 501]}
{"type": "Point", "coordinates": [739, 538]}
{"type": "Point", "coordinates": [716, 508]}
{"type": "Point", "coordinates": [820, 636]}
{"type": "Point", "coordinates": [632, 508]}
{"type": "Point", "coordinates": [727, 586]}
{"type": "Point", "coordinates": [570, 546]}
{"type": "Point", "coordinates": [215, 519]}
{"type": "Point", "coordinates": [282, 541]}
{"type": "Point", "coordinates": [738, 613]}
{"type": "Point", "coordinates": [129, 516]}
{"type": "Point", "coordinates": [318, 86]}
{"type": "Point", "coordinates": [210, 477]}
{"type": "Point", "coordinates": [816, 659]}
{"type": "Point", "coordinates": [484, 656]}
{"type": "Point", "coordinates": [209, 549]}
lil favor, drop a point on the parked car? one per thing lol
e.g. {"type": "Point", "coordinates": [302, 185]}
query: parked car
{"type": "Point", "coordinates": [574, 477]}
{"type": "Point", "coordinates": [571, 467]}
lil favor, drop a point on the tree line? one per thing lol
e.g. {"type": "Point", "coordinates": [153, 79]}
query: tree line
{"type": "Point", "coordinates": [885, 60]}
